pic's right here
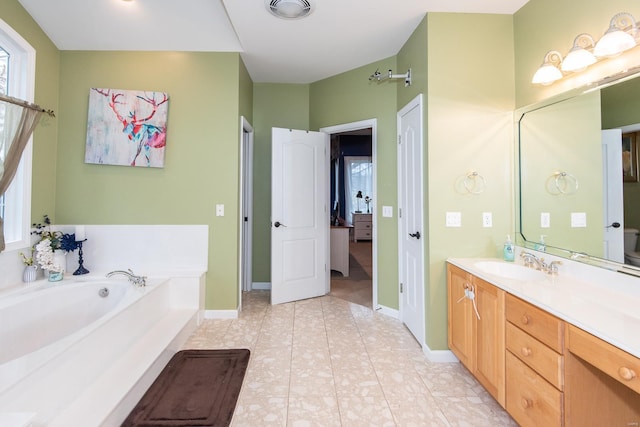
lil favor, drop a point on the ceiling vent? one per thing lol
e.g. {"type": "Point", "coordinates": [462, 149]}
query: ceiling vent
{"type": "Point", "coordinates": [290, 9]}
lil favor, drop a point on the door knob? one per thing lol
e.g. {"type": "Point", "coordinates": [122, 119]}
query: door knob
{"type": "Point", "coordinates": [416, 235]}
{"type": "Point", "coordinates": [614, 225]}
{"type": "Point", "coordinates": [278, 224]}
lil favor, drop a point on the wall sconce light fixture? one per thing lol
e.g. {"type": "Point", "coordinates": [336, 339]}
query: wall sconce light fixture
{"type": "Point", "coordinates": [579, 57]}
{"type": "Point", "coordinates": [549, 71]}
{"type": "Point", "coordinates": [378, 76]}
{"type": "Point", "coordinates": [620, 36]}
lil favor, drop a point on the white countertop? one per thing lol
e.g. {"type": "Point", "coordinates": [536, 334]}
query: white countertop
{"type": "Point", "coordinates": [603, 303]}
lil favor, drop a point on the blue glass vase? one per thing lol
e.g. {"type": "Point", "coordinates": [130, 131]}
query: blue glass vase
{"type": "Point", "coordinates": [55, 276]}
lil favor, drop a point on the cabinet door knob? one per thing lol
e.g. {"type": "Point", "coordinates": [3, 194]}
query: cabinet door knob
{"type": "Point", "coordinates": [526, 403]}
{"type": "Point", "coordinates": [526, 351]}
{"type": "Point", "coordinates": [525, 319]}
{"type": "Point", "coordinates": [626, 374]}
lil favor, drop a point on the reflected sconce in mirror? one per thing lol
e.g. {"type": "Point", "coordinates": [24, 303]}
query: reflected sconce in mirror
{"type": "Point", "coordinates": [620, 37]}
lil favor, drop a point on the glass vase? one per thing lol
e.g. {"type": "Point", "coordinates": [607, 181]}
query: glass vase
{"type": "Point", "coordinates": [55, 276]}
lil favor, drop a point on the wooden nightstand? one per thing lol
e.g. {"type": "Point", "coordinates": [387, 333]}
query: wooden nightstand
{"type": "Point", "coordinates": [362, 226]}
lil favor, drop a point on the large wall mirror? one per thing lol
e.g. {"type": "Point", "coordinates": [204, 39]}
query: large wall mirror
{"type": "Point", "coordinates": [579, 188]}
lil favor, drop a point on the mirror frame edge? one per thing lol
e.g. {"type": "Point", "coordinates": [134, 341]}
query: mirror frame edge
{"type": "Point", "coordinates": [519, 114]}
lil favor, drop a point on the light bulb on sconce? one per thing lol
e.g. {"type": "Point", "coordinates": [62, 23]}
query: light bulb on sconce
{"type": "Point", "coordinates": [619, 37]}
{"type": "Point", "coordinates": [549, 71]}
{"type": "Point", "coordinates": [579, 58]}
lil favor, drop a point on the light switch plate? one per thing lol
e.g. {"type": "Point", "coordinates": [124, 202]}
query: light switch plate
{"type": "Point", "coordinates": [387, 211]}
{"type": "Point", "coordinates": [219, 210]}
{"type": "Point", "coordinates": [578, 219]}
{"type": "Point", "coordinates": [545, 220]}
{"type": "Point", "coordinates": [453, 219]}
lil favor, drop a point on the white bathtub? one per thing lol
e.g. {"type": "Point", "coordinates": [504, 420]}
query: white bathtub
{"type": "Point", "coordinates": [68, 354]}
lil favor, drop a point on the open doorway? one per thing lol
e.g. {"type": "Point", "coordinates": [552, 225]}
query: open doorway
{"type": "Point", "coordinates": [353, 197]}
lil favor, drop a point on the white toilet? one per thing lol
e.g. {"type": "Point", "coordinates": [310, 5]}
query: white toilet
{"type": "Point", "coordinates": [631, 256]}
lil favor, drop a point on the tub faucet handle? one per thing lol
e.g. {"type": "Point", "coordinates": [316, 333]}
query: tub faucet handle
{"type": "Point", "coordinates": [133, 279]}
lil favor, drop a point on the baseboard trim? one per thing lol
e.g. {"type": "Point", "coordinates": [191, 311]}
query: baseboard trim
{"type": "Point", "coordinates": [391, 312]}
{"type": "Point", "coordinates": [261, 286]}
{"type": "Point", "coordinates": [221, 314]}
{"type": "Point", "coordinates": [439, 356]}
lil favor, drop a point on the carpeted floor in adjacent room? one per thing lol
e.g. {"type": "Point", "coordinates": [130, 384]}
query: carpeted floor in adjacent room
{"type": "Point", "coordinates": [357, 287]}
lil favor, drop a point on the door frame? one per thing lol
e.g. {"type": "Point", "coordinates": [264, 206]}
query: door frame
{"type": "Point", "coordinates": [245, 249]}
{"type": "Point", "coordinates": [417, 102]}
{"type": "Point", "coordinates": [353, 126]}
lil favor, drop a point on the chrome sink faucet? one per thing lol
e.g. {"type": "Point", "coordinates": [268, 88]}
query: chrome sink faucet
{"type": "Point", "coordinates": [133, 279]}
{"type": "Point", "coordinates": [530, 260]}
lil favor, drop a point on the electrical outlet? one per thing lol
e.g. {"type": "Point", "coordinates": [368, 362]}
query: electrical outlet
{"type": "Point", "coordinates": [453, 219]}
{"type": "Point", "coordinates": [487, 219]}
{"type": "Point", "coordinates": [219, 210]}
{"type": "Point", "coordinates": [545, 220]}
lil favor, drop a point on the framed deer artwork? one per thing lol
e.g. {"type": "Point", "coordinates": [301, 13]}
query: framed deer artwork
{"type": "Point", "coordinates": [126, 127]}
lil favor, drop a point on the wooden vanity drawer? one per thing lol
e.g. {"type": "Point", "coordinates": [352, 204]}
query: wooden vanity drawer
{"type": "Point", "coordinates": [618, 364]}
{"type": "Point", "coordinates": [536, 355]}
{"type": "Point", "coordinates": [536, 322]}
{"type": "Point", "coordinates": [531, 400]}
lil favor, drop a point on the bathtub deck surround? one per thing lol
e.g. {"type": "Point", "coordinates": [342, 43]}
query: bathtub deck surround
{"type": "Point", "coordinates": [158, 250]}
{"type": "Point", "coordinates": [106, 366]}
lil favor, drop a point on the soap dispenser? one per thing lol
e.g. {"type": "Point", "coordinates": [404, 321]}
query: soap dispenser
{"type": "Point", "coordinates": [509, 250]}
{"type": "Point", "coordinates": [541, 246]}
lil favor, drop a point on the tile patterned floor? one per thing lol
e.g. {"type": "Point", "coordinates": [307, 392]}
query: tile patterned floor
{"type": "Point", "coordinates": [329, 362]}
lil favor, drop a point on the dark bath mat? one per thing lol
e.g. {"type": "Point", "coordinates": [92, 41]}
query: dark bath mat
{"type": "Point", "coordinates": [196, 388]}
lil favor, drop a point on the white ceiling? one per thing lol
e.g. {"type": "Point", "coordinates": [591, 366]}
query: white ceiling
{"type": "Point", "coordinates": [338, 36]}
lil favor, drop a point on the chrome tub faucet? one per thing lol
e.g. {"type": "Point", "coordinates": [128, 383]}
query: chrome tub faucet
{"type": "Point", "coordinates": [133, 279]}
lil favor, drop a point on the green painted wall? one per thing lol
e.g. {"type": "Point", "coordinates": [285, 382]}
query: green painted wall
{"type": "Point", "coordinates": [470, 105]}
{"type": "Point", "coordinates": [351, 97]}
{"type": "Point", "coordinates": [45, 137]}
{"type": "Point", "coordinates": [274, 105]}
{"type": "Point", "coordinates": [202, 153]}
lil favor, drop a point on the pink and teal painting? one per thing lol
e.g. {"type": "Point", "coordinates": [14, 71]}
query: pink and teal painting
{"type": "Point", "coordinates": [126, 127]}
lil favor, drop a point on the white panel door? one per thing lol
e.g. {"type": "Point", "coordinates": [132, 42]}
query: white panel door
{"type": "Point", "coordinates": [613, 196]}
{"type": "Point", "coordinates": [299, 215]}
{"type": "Point", "coordinates": [410, 222]}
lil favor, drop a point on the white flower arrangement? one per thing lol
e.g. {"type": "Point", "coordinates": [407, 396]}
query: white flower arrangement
{"type": "Point", "coordinates": [44, 256]}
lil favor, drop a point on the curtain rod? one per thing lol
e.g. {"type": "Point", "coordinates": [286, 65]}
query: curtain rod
{"type": "Point", "coordinates": [26, 104]}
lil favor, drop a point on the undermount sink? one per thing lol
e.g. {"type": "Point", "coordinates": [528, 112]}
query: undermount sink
{"type": "Point", "coordinates": [511, 271]}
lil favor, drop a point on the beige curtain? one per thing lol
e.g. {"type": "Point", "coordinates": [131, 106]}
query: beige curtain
{"type": "Point", "coordinates": [16, 127]}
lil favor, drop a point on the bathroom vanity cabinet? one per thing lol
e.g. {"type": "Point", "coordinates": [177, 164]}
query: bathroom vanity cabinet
{"type": "Point", "coordinates": [602, 382]}
{"type": "Point", "coordinates": [534, 364]}
{"type": "Point", "coordinates": [476, 328]}
{"type": "Point", "coordinates": [544, 369]}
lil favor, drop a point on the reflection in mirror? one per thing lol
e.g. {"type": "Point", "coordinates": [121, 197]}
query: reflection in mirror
{"type": "Point", "coordinates": [561, 175]}
{"type": "Point", "coordinates": [579, 174]}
